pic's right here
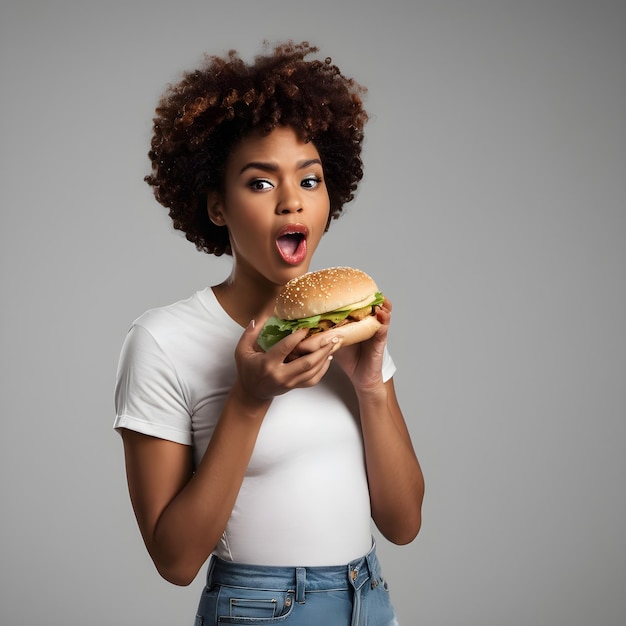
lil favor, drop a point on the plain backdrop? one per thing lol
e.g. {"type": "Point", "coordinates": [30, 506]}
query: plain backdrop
{"type": "Point", "coordinates": [492, 214]}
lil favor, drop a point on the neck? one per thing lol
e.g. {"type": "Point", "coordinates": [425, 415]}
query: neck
{"type": "Point", "coordinates": [246, 298]}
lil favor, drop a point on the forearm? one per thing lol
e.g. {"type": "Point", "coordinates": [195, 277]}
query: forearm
{"type": "Point", "coordinates": [191, 525]}
{"type": "Point", "coordinates": [395, 478]}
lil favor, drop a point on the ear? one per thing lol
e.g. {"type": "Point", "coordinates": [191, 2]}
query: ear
{"type": "Point", "coordinates": [214, 208]}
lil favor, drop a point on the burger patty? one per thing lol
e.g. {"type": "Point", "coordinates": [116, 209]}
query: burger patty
{"type": "Point", "coordinates": [355, 316]}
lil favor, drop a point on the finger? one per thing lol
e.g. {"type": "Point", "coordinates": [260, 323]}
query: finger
{"type": "Point", "coordinates": [318, 341]}
{"type": "Point", "coordinates": [248, 340]}
{"type": "Point", "coordinates": [383, 312]}
{"type": "Point", "coordinates": [309, 370]}
{"type": "Point", "coordinates": [383, 316]}
{"type": "Point", "coordinates": [287, 345]}
{"type": "Point", "coordinates": [308, 364]}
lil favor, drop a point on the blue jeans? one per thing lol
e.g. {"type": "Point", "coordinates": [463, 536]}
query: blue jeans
{"type": "Point", "coordinates": [346, 595]}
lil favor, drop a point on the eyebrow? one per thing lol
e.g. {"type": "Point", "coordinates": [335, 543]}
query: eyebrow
{"type": "Point", "coordinates": [272, 167]}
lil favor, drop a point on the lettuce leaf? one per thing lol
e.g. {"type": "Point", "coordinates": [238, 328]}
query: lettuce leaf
{"type": "Point", "coordinates": [276, 329]}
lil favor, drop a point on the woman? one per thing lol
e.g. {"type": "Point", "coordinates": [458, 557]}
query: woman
{"type": "Point", "coordinates": [271, 463]}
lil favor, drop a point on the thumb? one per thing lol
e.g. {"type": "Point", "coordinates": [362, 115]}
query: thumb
{"type": "Point", "coordinates": [250, 335]}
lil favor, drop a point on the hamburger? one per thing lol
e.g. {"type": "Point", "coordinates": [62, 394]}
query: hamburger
{"type": "Point", "coordinates": [341, 298]}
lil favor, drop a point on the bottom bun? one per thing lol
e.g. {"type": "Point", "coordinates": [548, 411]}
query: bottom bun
{"type": "Point", "coordinates": [355, 332]}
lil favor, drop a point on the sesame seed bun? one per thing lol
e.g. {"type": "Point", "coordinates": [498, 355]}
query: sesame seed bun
{"type": "Point", "coordinates": [322, 291]}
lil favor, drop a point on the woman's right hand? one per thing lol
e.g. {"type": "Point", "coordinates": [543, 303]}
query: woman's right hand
{"type": "Point", "coordinates": [264, 375]}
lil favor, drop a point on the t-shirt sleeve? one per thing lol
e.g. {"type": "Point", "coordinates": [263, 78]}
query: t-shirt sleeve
{"type": "Point", "coordinates": [149, 397]}
{"type": "Point", "coordinates": [389, 367]}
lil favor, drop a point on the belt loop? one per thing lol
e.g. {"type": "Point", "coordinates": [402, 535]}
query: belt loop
{"type": "Point", "coordinates": [373, 563]}
{"type": "Point", "coordinates": [209, 573]}
{"type": "Point", "coordinates": [300, 584]}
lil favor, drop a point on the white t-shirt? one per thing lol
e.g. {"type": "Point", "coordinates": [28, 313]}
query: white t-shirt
{"type": "Point", "coordinates": [304, 499]}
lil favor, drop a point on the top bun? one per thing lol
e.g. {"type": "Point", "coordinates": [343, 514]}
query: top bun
{"type": "Point", "coordinates": [323, 291]}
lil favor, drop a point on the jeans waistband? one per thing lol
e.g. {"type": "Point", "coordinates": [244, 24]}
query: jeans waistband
{"type": "Point", "coordinates": [299, 579]}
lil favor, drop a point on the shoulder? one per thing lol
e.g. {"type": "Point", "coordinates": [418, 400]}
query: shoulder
{"type": "Point", "coordinates": [163, 317]}
{"type": "Point", "coordinates": [185, 329]}
{"type": "Point", "coordinates": [199, 313]}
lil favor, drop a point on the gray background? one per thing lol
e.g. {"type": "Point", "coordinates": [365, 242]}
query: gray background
{"type": "Point", "coordinates": [492, 213]}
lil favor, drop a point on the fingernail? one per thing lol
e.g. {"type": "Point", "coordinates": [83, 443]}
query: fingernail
{"type": "Point", "coordinates": [336, 346]}
{"type": "Point", "coordinates": [252, 323]}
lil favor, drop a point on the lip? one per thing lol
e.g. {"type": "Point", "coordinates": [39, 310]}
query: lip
{"type": "Point", "coordinates": [293, 250]}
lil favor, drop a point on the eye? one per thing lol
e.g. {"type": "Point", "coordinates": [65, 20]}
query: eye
{"type": "Point", "coordinates": [260, 184]}
{"type": "Point", "coordinates": [311, 182]}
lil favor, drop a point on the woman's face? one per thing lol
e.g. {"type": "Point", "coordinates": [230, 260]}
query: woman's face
{"type": "Point", "coordinates": [275, 205]}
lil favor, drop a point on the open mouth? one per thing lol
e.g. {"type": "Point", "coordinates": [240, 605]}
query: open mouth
{"type": "Point", "coordinates": [291, 244]}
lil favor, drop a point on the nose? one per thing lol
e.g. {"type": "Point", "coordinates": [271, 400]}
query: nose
{"type": "Point", "coordinates": [289, 201]}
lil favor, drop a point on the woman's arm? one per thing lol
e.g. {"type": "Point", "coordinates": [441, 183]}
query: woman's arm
{"type": "Point", "coordinates": [395, 478]}
{"type": "Point", "coordinates": [181, 513]}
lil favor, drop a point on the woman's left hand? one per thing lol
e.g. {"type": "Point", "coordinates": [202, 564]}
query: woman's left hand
{"type": "Point", "coordinates": [363, 362]}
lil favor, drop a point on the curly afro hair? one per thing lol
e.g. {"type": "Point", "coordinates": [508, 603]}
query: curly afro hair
{"type": "Point", "coordinates": [200, 119]}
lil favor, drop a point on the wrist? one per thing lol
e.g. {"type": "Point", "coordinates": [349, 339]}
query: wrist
{"type": "Point", "coordinates": [374, 396]}
{"type": "Point", "coordinates": [246, 403]}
